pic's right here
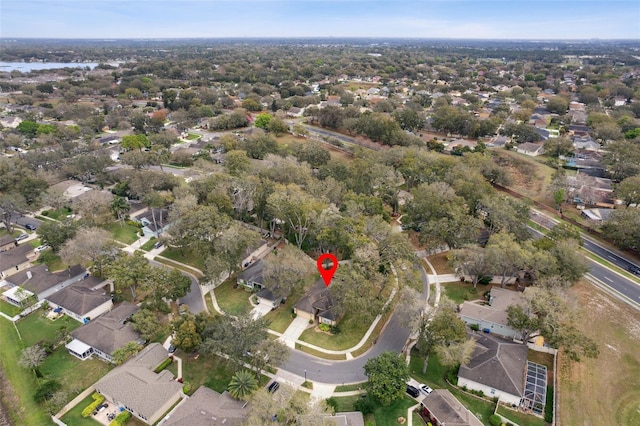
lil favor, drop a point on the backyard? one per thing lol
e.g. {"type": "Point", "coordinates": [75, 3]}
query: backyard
{"type": "Point", "coordinates": [74, 416]}
{"type": "Point", "coordinates": [36, 327]}
{"type": "Point", "coordinates": [458, 291]}
{"type": "Point", "coordinates": [382, 415]}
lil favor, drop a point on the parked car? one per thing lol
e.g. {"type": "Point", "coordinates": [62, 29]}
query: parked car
{"type": "Point", "coordinates": [22, 237]}
{"type": "Point", "coordinates": [273, 387]}
{"type": "Point", "coordinates": [42, 248]}
{"type": "Point", "coordinates": [425, 389]}
{"type": "Point", "coordinates": [172, 349]}
{"type": "Point", "coordinates": [634, 270]}
{"type": "Point", "coordinates": [413, 391]}
{"type": "Point", "coordinates": [158, 244]}
{"type": "Point", "coordinates": [31, 227]}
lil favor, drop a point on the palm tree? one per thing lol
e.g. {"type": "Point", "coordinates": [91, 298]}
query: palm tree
{"type": "Point", "coordinates": [242, 384]}
{"type": "Point", "coordinates": [120, 208]}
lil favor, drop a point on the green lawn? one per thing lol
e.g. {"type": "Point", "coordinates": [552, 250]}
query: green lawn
{"type": "Point", "coordinates": [351, 332]}
{"type": "Point", "coordinates": [324, 355]}
{"type": "Point", "coordinates": [52, 260]}
{"type": "Point", "coordinates": [74, 416]}
{"type": "Point", "coordinates": [184, 256]}
{"type": "Point", "coordinates": [35, 327]}
{"type": "Point", "coordinates": [148, 246]}
{"type": "Point", "coordinates": [384, 416]}
{"type": "Point", "coordinates": [348, 388]}
{"type": "Point", "coordinates": [193, 136]}
{"type": "Point", "coordinates": [126, 234]}
{"type": "Point", "coordinates": [458, 292]}
{"type": "Point", "coordinates": [231, 300]}
{"type": "Point", "coordinates": [417, 419]}
{"type": "Point", "coordinates": [212, 371]}
{"type": "Point", "coordinates": [73, 374]}
{"type": "Point", "coordinates": [56, 214]}
{"type": "Point", "coordinates": [9, 309]}
{"type": "Point", "coordinates": [26, 412]}
{"type": "Point", "coordinates": [280, 318]}
{"type": "Point", "coordinates": [374, 335]}
{"type": "Point", "coordinates": [521, 418]}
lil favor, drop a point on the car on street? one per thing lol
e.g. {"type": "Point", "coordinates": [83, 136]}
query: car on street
{"type": "Point", "coordinates": [425, 389]}
{"type": "Point", "coordinates": [273, 387]}
{"type": "Point", "coordinates": [634, 270]}
{"type": "Point", "coordinates": [22, 237]}
{"type": "Point", "coordinates": [42, 248]}
{"type": "Point", "coordinates": [413, 391]}
{"type": "Point", "coordinates": [30, 227]}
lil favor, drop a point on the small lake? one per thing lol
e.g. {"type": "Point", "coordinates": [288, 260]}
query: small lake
{"type": "Point", "coordinates": [31, 66]}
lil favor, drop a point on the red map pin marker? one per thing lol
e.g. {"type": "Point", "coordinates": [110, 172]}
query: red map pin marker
{"type": "Point", "coordinates": [327, 274]}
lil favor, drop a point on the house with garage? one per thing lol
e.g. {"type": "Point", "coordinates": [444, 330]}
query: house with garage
{"type": "Point", "coordinates": [38, 281]}
{"type": "Point", "coordinates": [154, 221]}
{"type": "Point", "coordinates": [491, 316]}
{"type": "Point", "coordinates": [441, 408]}
{"type": "Point", "coordinates": [16, 260]}
{"type": "Point", "coordinates": [105, 334]}
{"type": "Point", "coordinates": [83, 300]}
{"type": "Point", "coordinates": [317, 305]}
{"type": "Point", "coordinates": [497, 368]}
{"type": "Point", "coordinates": [251, 277]}
{"type": "Point", "coordinates": [135, 387]}
{"type": "Point", "coordinates": [208, 407]}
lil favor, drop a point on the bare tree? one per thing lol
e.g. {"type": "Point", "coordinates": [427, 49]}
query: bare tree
{"type": "Point", "coordinates": [32, 357]}
{"type": "Point", "coordinates": [91, 247]}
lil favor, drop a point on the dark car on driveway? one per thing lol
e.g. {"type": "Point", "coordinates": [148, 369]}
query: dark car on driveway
{"type": "Point", "coordinates": [30, 227]}
{"type": "Point", "coordinates": [273, 387]}
{"type": "Point", "coordinates": [413, 391]}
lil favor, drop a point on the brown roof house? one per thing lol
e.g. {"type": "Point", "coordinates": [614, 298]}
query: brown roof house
{"type": "Point", "coordinates": [82, 300]}
{"type": "Point", "coordinates": [532, 149]}
{"type": "Point", "coordinates": [39, 282]}
{"type": "Point", "coordinates": [252, 279]}
{"type": "Point", "coordinates": [442, 408]}
{"type": "Point", "coordinates": [317, 305]}
{"type": "Point", "coordinates": [207, 407]}
{"type": "Point", "coordinates": [497, 368]}
{"type": "Point", "coordinates": [491, 317]}
{"type": "Point", "coordinates": [135, 387]}
{"type": "Point", "coordinates": [105, 334]}
{"type": "Point", "coordinates": [7, 243]}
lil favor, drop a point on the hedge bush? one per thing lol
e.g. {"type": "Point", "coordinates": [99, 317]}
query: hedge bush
{"type": "Point", "coordinates": [120, 419]}
{"type": "Point", "coordinates": [89, 409]}
{"type": "Point", "coordinates": [495, 420]}
{"type": "Point", "coordinates": [548, 408]}
{"type": "Point", "coordinates": [164, 365]}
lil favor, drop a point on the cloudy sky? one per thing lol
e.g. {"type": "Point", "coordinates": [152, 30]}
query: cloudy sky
{"type": "Point", "coordinates": [501, 19]}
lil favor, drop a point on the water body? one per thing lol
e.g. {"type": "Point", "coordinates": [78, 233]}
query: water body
{"type": "Point", "coordinates": [31, 66]}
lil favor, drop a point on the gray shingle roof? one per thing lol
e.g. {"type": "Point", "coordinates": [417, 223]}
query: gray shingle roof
{"type": "Point", "coordinates": [109, 332]}
{"type": "Point", "coordinates": [207, 407]}
{"type": "Point", "coordinates": [79, 298]}
{"type": "Point", "coordinates": [448, 410]}
{"type": "Point", "coordinates": [135, 385]}
{"type": "Point", "coordinates": [497, 363]}
{"type": "Point", "coordinates": [41, 279]}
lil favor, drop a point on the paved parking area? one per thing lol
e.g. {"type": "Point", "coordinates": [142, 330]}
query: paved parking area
{"type": "Point", "coordinates": [293, 332]}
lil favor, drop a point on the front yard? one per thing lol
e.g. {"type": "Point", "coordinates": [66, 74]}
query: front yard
{"type": "Point", "coordinates": [458, 292]}
{"type": "Point", "coordinates": [381, 416]}
{"type": "Point", "coordinates": [231, 300]}
{"type": "Point", "coordinates": [185, 256]}
{"type": "Point", "coordinates": [126, 233]}
{"type": "Point", "coordinates": [351, 332]}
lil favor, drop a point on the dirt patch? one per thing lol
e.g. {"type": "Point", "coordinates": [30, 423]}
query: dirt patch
{"type": "Point", "coordinates": [441, 264]}
{"type": "Point", "coordinates": [606, 389]}
{"type": "Point", "coordinates": [7, 399]}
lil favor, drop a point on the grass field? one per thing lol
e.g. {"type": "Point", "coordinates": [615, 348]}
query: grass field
{"type": "Point", "coordinates": [382, 416]}
{"type": "Point", "coordinates": [351, 332]}
{"type": "Point", "coordinates": [126, 234]}
{"type": "Point", "coordinates": [529, 176]}
{"type": "Point", "coordinates": [9, 309]}
{"type": "Point", "coordinates": [52, 260]}
{"type": "Point", "coordinates": [148, 246]}
{"type": "Point", "coordinates": [280, 318]}
{"type": "Point", "coordinates": [349, 388]}
{"type": "Point", "coordinates": [606, 389]}
{"type": "Point", "coordinates": [233, 301]}
{"type": "Point", "coordinates": [187, 257]}
{"type": "Point", "coordinates": [193, 136]}
{"type": "Point", "coordinates": [56, 214]}
{"type": "Point", "coordinates": [35, 327]}
{"type": "Point", "coordinates": [459, 292]}
{"type": "Point", "coordinates": [440, 264]}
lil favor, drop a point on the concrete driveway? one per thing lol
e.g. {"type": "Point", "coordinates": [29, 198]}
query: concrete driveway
{"type": "Point", "coordinates": [260, 310]}
{"type": "Point", "coordinates": [293, 332]}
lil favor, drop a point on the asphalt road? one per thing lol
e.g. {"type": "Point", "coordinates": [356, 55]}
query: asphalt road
{"type": "Point", "coordinates": [193, 299]}
{"type": "Point", "coordinates": [393, 338]}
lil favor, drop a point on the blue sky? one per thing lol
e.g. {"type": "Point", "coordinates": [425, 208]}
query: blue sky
{"type": "Point", "coordinates": [501, 19]}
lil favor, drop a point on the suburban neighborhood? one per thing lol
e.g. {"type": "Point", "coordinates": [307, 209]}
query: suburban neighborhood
{"type": "Point", "coordinates": [163, 213]}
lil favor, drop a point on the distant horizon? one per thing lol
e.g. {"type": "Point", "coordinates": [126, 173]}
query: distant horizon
{"type": "Point", "coordinates": [403, 19]}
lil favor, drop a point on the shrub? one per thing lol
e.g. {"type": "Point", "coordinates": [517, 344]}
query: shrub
{"type": "Point", "coordinates": [365, 405]}
{"type": "Point", "coordinates": [186, 387]}
{"type": "Point", "coordinates": [89, 409]}
{"type": "Point", "coordinates": [335, 329]}
{"type": "Point", "coordinates": [164, 365]}
{"type": "Point", "coordinates": [46, 389]}
{"type": "Point", "coordinates": [310, 321]}
{"type": "Point", "coordinates": [324, 327]}
{"type": "Point", "coordinates": [495, 420]}
{"type": "Point", "coordinates": [474, 327]}
{"type": "Point", "coordinates": [548, 408]}
{"type": "Point", "coordinates": [331, 402]}
{"type": "Point", "coordinates": [45, 213]}
{"type": "Point", "coordinates": [120, 419]}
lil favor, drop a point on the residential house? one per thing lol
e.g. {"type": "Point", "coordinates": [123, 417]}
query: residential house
{"type": "Point", "coordinates": [586, 143]}
{"type": "Point", "coordinates": [498, 141]}
{"type": "Point", "coordinates": [83, 300]}
{"type": "Point", "coordinates": [16, 260]}
{"type": "Point", "coordinates": [38, 281]}
{"type": "Point", "coordinates": [497, 368]}
{"type": "Point", "coordinates": [543, 133]}
{"type": "Point", "coordinates": [491, 317]}
{"type": "Point", "coordinates": [109, 140]}
{"type": "Point", "coordinates": [317, 305]}
{"type": "Point", "coordinates": [352, 418]}
{"type": "Point", "coordinates": [252, 276]}
{"type": "Point", "coordinates": [135, 387]}
{"type": "Point", "coordinates": [441, 408]}
{"type": "Point", "coordinates": [579, 130]}
{"type": "Point", "coordinates": [532, 149]}
{"type": "Point", "coordinates": [295, 112]}
{"type": "Point", "coordinates": [105, 334]}
{"type": "Point", "coordinates": [597, 215]}
{"type": "Point", "coordinates": [7, 243]}
{"type": "Point", "coordinates": [151, 227]}
{"type": "Point", "coordinates": [207, 407]}
{"type": "Point", "coordinates": [267, 297]}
